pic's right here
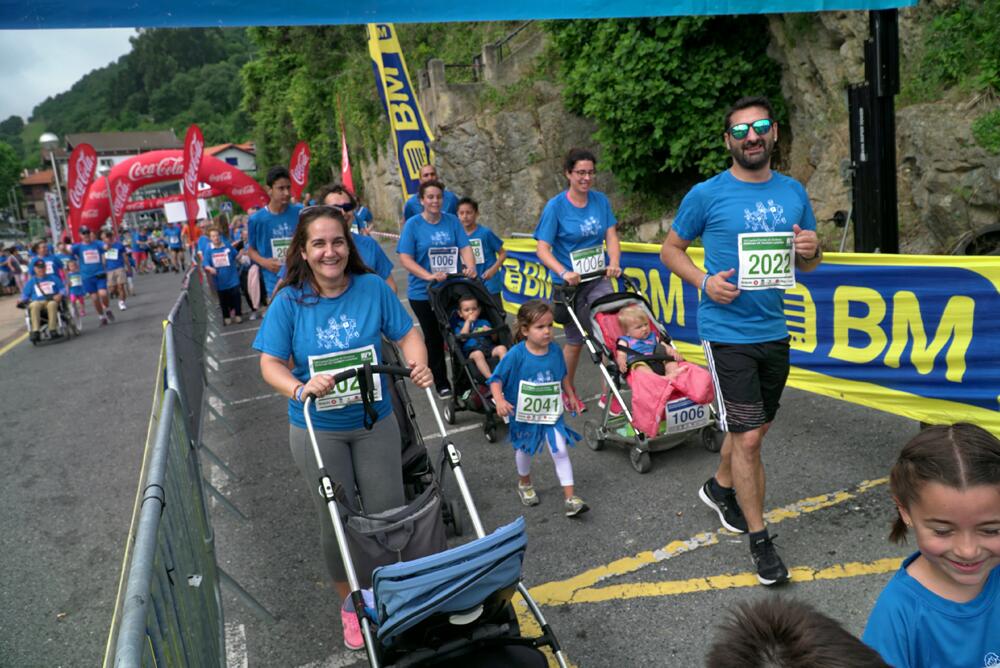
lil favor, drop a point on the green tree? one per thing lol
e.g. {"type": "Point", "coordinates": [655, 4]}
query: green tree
{"type": "Point", "coordinates": [10, 168]}
{"type": "Point", "coordinates": [657, 88]}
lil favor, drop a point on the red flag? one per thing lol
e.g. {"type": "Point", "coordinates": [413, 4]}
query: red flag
{"type": "Point", "coordinates": [82, 166]}
{"type": "Point", "coordinates": [299, 169]}
{"type": "Point", "coordinates": [345, 163]}
{"type": "Point", "coordinates": [194, 147]}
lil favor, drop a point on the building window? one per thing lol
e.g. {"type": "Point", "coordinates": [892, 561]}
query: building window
{"type": "Point", "coordinates": [232, 161]}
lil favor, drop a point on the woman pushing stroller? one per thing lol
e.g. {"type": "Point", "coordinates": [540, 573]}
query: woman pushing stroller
{"type": "Point", "coordinates": [329, 314]}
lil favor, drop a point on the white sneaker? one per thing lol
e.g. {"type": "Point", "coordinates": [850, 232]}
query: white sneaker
{"type": "Point", "coordinates": [226, 321]}
{"type": "Point", "coordinates": [121, 305]}
{"type": "Point", "coordinates": [252, 316]}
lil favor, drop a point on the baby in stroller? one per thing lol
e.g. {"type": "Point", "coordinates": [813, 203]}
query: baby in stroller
{"type": "Point", "coordinates": [639, 341]}
{"type": "Point", "coordinates": [466, 321]}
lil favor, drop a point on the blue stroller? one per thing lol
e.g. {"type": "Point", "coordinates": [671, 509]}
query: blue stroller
{"type": "Point", "coordinates": [452, 608]}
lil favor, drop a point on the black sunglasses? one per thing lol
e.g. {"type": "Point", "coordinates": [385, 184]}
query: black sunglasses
{"type": "Point", "coordinates": [741, 130]}
{"type": "Point", "coordinates": [327, 208]}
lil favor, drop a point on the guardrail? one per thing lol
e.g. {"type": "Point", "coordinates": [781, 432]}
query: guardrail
{"type": "Point", "coordinates": [168, 611]}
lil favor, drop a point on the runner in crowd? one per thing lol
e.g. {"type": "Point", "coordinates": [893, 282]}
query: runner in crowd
{"type": "Point", "coordinates": [371, 252]}
{"type": "Point", "coordinates": [7, 285]}
{"type": "Point", "coordinates": [173, 234]}
{"type": "Point", "coordinates": [43, 291]}
{"type": "Point", "coordinates": [131, 266]}
{"type": "Point", "coordinates": [487, 248]}
{"type": "Point", "coordinates": [526, 387]}
{"type": "Point", "coordinates": [40, 251]}
{"type": "Point", "coordinates": [140, 250]}
{"type": "Point", "coordinates": [115, 257]}
{"type": "Point", "coordinates": [90, 254]}
{"type": "Point", "coordinates": [329, 290]}
{"type": "Point", "coordinates": [238, 234]}
{"type": "Point", "coordinates": [18, 267]}
{"type": "Point", "coordinates": [74, 280]}
{"type": "Point", "coordinates": [270, 229]}
{"type": "Point", "coordinates": [219, 260]}
{"type": "Point", "coordinates": [572, 233]}
{"type": "Point", "coordinates": [942, 608]}
{"type": "Point", "coordinates": [429, 248]}
{"type": "Point", "coordinates": [414, 205]}
{"type": "Point", "coordinates": [362, 219]}
{"type": "Point", "coordinates": [758, 228]}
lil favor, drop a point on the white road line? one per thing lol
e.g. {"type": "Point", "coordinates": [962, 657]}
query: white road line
{"type": "Point", "coordinates": [468, 427]}
{"type": "Point", "coordinates": [270, 395]}
{"type": "Point", "coordinates": [240, 331]}
{"type": "Point", "coordinates": [236, 646]}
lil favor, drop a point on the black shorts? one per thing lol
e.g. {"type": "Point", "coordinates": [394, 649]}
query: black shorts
{"type": "Point", "coordinates": [749, 379]}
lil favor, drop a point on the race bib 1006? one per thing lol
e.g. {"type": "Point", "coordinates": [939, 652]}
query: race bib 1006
{"type": "Point", "coordinates": [347, 391]}
{"type": "Point", "coordinates": [766, 261]}
{"type": "Point", "coordinates": [685, 415]}
{"type": "Point", "coordinates": [587, 260]}
{"type": "Point", "coordinates": [539, 403]}
{"type": "Point", "coordinates": [477, 250]}
{"type": "Point", "coordinates": [443, 259]}
{"type": "Point", "coordinates": [279, 248]}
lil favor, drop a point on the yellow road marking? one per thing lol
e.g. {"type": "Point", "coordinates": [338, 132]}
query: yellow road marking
{"type": "Point", "coordinates": [13, 343]}
{"type": "Point", "coordinates": [564, 591]}
{"type": "Point", "coordinates": [719, 582]}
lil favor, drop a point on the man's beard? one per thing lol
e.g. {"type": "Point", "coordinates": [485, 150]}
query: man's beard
{"type": "Point", "coordinates": [759, 161]}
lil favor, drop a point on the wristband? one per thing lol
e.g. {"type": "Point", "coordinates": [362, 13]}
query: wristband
{"type": "Point", "coordinates": [563, 273]}
{"type": "Point", "coordinates": [297, 393]}
{"type": "Point", "coordinates": [704, 282]}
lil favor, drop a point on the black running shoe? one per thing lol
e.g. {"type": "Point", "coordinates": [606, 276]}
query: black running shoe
{"type": "Point", "coordinates": [726, 506]}
{"type": "Point", "coordinates": [444, 391]}
{"type": "Point", "coordinates": [770, 568]}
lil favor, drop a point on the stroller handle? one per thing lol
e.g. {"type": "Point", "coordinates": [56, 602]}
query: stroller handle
{"type": "Point", "coordinates": [399, 371]}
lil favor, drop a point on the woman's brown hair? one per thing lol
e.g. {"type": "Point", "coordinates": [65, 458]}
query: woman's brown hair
{"type": "Point", "coordinates": [297, 271]}
{"type": "Point", "coordinates": [528, 314]}
{"type": "Point", "coordinates": [960, 456]}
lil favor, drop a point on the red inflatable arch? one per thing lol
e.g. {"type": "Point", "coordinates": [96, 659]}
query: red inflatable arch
{"type": "Point", "coordinates": [158, 166]}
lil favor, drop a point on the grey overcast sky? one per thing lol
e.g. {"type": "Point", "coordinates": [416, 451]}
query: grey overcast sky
{"type": "Point", "coordinates": [40, 63]}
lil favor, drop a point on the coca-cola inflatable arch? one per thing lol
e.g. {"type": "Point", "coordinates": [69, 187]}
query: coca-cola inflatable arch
{"type": "Point", "coordinates": [158, 166]}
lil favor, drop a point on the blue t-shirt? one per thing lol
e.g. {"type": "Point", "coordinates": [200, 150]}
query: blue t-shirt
{"type": "Point", "coordinates": [489, 245]}
{"type": "Point", "coordinates": [419, 236]}
{"type": "Point", "coordinates": [362, 218]}
{"type": "Point", "coordinates": [140, 242]}
{"type": "Point", "coordinates": [53, 264]}
{"type": "Point", "coordinates": [358, 318]}
{"type": "Point", "coordinates": [567, 227]}
{"type": "Point", "coordinates": [476, 342]}
{"type": "Point", "coordinates": [76, 284]}
{"type": "Point", "coordinates": [718, 210]}
{"type": "Point", "coordinates": [373, 255]}
{"type": "Point", "coordinates": [521, 364]}
{"type": "Point", "coordinates": [413, 207]}
{"type": "Point", "coordinates": [223, 260]}
{"type": "Point", "coordinates": [912, 627]}
{"type": "Point", "coordinates": [91, 258]}
{"type": "Point", "coordinates": [267, 233]}
{"type": "Point", "coordinates": [42, 289]}
{"type": "Point", "coordinates": [114, 256]}
{"type": "Point", "coordinates": [172, 235]}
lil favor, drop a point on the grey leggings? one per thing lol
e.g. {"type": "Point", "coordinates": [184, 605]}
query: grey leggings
{"type": "Point", "coordinates": [369, 462]}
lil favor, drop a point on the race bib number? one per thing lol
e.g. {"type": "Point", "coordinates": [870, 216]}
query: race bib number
{"type": "Point", "coordinates": [111, 254]}
{"type": "Point", "coordinates": [587, 260]}
{"type": "Point", "coordinates": [348, 391]}
{"type": "Point", "coordinates": [220, 259]}
{"type": "Point", "coordinates": [443, 259]}
{"type": "Point", "coordinates": [173, 240]}
{"type": "Point", "coordinates": [47, 288]}
{"type": "Point", "coordinates": [355, 228]}
{"type": "Point", "coordinates": [91, 256]}
{"type": "Point", "coordinates": [539, 403]}
{"type": "Point", "coordinates": [75, 281]}
{"type": "Point", "coordinates": [477, 250]}
{"type": "Point", "coordinates": [50, 268]}
{"type": "Point", "coordinates": [279, 248]}
{"type": "Point", "coordinates": [685, 415]}
{"type": "Point", "coordinates": [766, 261]}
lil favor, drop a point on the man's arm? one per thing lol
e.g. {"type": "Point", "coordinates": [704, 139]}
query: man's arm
{"type": "Point", "coordinates": [674, 256]}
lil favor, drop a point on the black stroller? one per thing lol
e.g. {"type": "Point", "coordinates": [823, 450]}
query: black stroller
{"type": "Point", "coordinates": [469, 389]}
{"type": "Point", "coordinates": [451, 607]}
{"type": "Point", "coordinates": [684, 418]}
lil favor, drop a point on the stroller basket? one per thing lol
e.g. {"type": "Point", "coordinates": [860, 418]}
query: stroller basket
{"type": "Point", "coordinates": [449, 582]}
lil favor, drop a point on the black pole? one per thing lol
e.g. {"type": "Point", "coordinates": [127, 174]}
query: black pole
{"type": "Point", "coordinates": [872, 111]}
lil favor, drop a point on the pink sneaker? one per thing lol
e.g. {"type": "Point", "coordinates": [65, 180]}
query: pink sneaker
{"type": "Point", "coordinates": [616, 408]}
{"type": "Point", "coordinates": [353, 639]}
{"type": "Point", "coordinates": [578, 407]}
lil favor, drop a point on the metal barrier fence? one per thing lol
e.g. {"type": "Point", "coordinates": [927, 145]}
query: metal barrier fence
{"type": "Point", "coordinates": [169, 609]}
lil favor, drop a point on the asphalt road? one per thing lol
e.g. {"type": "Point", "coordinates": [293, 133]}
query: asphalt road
{"type": "Point", "coordinates": [641, 579]}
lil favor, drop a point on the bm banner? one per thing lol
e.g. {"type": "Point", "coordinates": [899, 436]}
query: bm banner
{"type": "Point", "coordinates": [411, 136]}
{"type": "Point", "coordinates": [914, 335]}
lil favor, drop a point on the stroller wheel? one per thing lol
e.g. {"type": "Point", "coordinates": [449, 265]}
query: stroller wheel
{"type": "Point", "coordinates": [592, 435]}
{"type": "Point", "coordinates": [640, 459]}
{"type": "Point", "coordinates": [449, 412]}
{"type": "Point", "coordinates": [712, 438]}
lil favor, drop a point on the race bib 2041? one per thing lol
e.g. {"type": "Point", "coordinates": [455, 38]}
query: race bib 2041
{"type": "Point", "coordinates": [539, 403]}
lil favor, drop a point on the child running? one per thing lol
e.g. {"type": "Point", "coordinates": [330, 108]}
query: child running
{"type": "Point", "coordinates": [531, 374]}
{"type": "Point", "coordinates": [467, 321]}
{"type": "Point", "coordinates": [942, 608]}
{"type": "Point", "coordinates": [75, 280]}
{"type": "Point", "coordinates": [640, 341]}
{"type": "Point", "coordinates": [219, 260]}
{"type": "Point", "coordinates": [487, 248]}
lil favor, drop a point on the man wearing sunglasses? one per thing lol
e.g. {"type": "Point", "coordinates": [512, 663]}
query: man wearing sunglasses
{"type": "Point", "coordinates": [413, 206]}
{"type": "Point", "coordinates": [269, 230]}
{"type": "Point", "coordinates": [758, 229]}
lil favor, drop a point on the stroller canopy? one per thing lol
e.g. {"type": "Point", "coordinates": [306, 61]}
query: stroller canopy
{"type": "Point", "coordinates": [452, 581]}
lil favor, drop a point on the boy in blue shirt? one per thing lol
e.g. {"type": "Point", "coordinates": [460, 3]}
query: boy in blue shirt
{"type": "Point", "coordinates": [90, 254]}
{"type": "Point", "coordinates": [487, 248]}
{"type": "Point", "coordinates": [174, 236]}
{"type": "Point", "coordinates": [270, 229]}
{"type": "Point", "coordinates": [467, 321]}
{"type": "Point", "coordinates": [115, 257]}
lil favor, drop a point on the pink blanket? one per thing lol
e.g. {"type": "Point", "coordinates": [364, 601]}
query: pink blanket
{"type": "Point", "coordinates": [651, 392]}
